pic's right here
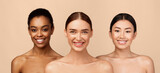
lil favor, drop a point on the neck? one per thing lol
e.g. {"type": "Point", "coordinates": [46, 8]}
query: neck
{"type": "Point", "coordinates": [80, 57]}
{"type": "Point", "coordinates": [123, 53]}
{"type": "Point", "coordinates": [42, 51]}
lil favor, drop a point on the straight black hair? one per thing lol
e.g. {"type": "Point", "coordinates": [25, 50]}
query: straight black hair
{"type": "Point", "coordinates": [123, 16]}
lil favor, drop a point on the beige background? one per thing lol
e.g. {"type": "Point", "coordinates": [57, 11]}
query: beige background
{"type": "Point", "coordinates": [15, 40]}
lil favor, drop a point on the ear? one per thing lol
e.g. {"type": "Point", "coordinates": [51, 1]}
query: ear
{"type": "Point", "coordinates": [52, 30]}
{"type": "Point", "coordinates": [135, 34]}
{"type": "Point", "coordinates": [65, 32]}
{"type": "Point", "coordinates": [110, 34]}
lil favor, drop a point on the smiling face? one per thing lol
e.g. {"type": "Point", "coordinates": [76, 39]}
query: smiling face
{"type": "Point", "coordinates": [40, 31]}
{"type": "Point", "coordinates": [122, 34]}
{"type": "Point", "coordinates": [78, 33]}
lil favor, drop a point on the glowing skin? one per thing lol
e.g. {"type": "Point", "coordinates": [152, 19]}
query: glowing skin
{"type": "Point", "coordinates": [122, 59]}
{"type": "Point", "coordinates": [78, 60]}
{"type": "Point", "coordinates": [41, 54]}
{"type": "Point", "coordinates": [122, 34]}
{"type": "Point", "coordinates": [40, 31]}
{"type": "Point", "coordinates": [78, 35]}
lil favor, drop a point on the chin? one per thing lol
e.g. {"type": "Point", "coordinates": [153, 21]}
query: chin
{"type": "Point", "coordinates": [78, 49]}
{"type": "Point", "coordinates": [41, 46]}
{"type": "Point", "coordinates": [122, 47]}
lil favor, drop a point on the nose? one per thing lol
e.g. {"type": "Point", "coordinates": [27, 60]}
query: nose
{"type": "Point", "coordinates": [122, 35]}
{"type": "Point", "coordinates": [39, 33]}
{"type": "Point", "coordinates": [78, 36]}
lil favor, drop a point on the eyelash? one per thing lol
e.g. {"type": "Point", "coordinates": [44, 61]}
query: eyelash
{"type": "Point", "coordinates": [85, 32]}
{"type": "Point", "coordinates": [128, 31]}
{"type": "Point", "coordinates": [72, 31]}
{"type": "Point", "coordinates": [33, 30]}
{"type": "Point", "coordinates": [44, 29]}
{"type": "Point", "coordinates": [116, 30]}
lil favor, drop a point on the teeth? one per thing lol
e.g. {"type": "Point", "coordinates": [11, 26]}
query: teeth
{"type": "Point", "coordinates": [78, 44]}
{"type": "Point", "coordinates": [40, 40]}
{"type": "Point", "coordinates": [122, 42]}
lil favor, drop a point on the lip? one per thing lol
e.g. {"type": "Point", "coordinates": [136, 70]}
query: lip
{"type": "Point", "coordinates": [122, 42]}
{"type": "Point", "coordinates": [39, 41]}
{"type": "Point", "coordinates": [78, 44]}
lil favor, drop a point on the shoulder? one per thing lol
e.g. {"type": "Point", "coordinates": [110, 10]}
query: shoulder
{"type": "Point", "coordinates": [147, 63]}
{"type": "Point", "coordinates": [19, 59]}
{"type": "Point", "coordinates": [105, 66]}
{"type": "Point", "coordinates": [52, 67]}
{"type": "Point", "coordinates": [17, 63]}
{"type": "Point", "coordinates": [103, 57]}
{"type": "Point", "coordinates": [146, 60]}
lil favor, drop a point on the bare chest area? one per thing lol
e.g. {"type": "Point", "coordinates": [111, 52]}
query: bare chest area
{"type": "Point", "coordinates": [35, 65]}
{"type": "Point", "coordinates": [127, 66]}
{"type": "Point", "coordinates": [80, 69]}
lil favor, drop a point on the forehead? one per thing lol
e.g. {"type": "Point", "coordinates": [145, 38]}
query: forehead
{"type": "Point", "coordinates": [78, 24]}
{"type": "Point", "coordinates": [123, 24]}
{"type": "Point", "coordinates": [39, 21]}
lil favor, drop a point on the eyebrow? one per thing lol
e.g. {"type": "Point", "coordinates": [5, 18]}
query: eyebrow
{"type": "Point", "coordinates": [45, 26]}
{"type": "Point", "coordinates": [72, 29]}
{"type": "Point", "coordinates": [42, 26]}
{"type": "Point", "coordinates": [85, 29]}
{"type": "Point", "coordinates": [82, 29]}
{"type": "Point", "coordinates": [125, 28]}
{"type": "Point", "coordinates": [128, 28]}
{"type": "Point", "coordinates": [118, 27]}
{"type": "Point", "coordinates": [33, 26]}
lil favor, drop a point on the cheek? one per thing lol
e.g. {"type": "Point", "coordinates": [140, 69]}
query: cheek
{"type": "Point", "coordinates": [115, 35]}
{"type": "Point", "coordinates": [129, 36]}
{"type": "Point", "coordinates": [70, 37]}
{"type": "Point", "coordinates": [47, 34]}
{"type": "Point", "coordinates": [86, 37]}
{"type": "Point", "coordinates": [32, 34]}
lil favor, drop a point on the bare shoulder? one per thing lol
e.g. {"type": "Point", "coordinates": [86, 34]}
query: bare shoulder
{"type": "Point", "coordinates": [19, 59]}
{"type": "Point", "coordinates": [17, 63]}
{"type": "Point", "coordinates": [146, 60]}
{"type": "Point", "coordinates": [105, 66]}
{"type": "Point", "coordinates": [52, 67]}
{"type": "Point", "coordinates": [104, 63]}
{"type": "Point", "coordinates": [147, 63]}
{"type": "Point", "coordinates": [104, 57]}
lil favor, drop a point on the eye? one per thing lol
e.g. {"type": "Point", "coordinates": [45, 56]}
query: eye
{"type": "Point", "coordinates": [117, 31]}
{"type": "Point", "coordinates": [128, 31]}
{"type": "Point", "coordinates": [84, 32]}
{"type": "Point", "coordinates": [45, 29]}
{"type": "Point", "coordinates": [33, 30]}
{"type": "Point", "coordinates": [72, 31]}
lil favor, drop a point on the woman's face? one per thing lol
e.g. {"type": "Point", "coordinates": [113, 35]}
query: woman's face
{"type": "Point", "coordinates": [122, 34]}
{"type": "Point", "coordinates": [40, 31]}
{"type": "Point", "coordinates": [78, 33]}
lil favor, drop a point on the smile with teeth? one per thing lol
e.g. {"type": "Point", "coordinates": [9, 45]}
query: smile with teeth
{"type": "Point", "coordinates": [122, 42]}
{"type": "Point", "coordinates": [40, 40]}
{"type": "Point", "coordinates": [78, 44]}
